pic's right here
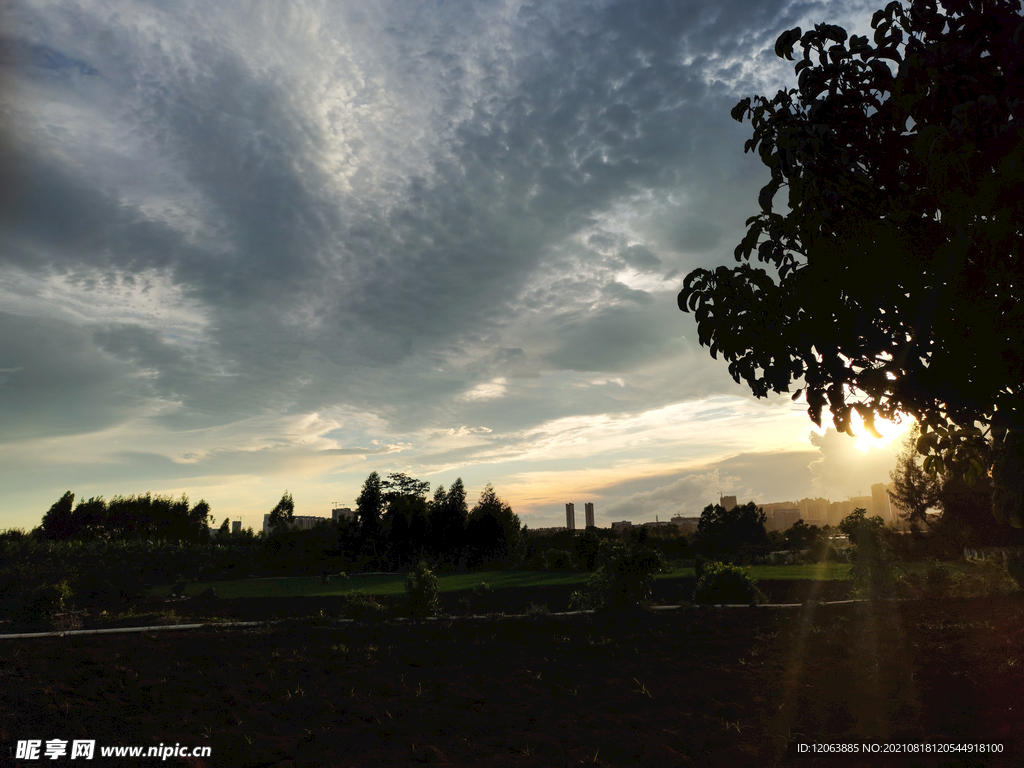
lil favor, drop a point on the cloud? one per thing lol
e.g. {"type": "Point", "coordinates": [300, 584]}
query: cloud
{"type": "Point", "coordinates": [686, 496]}
{"type": "Point", "coordinates": [55, 381]}
{"type": "Point", "coordinates": [221, 219]}
{"type": "Point", "coordinates": [842, 470]}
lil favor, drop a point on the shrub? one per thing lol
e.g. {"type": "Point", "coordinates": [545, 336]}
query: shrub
{"type": "Point", "coordinates": [45, 600]}
{"type": "Point", "coordinates": [362, 607]}
{"type": "Point", "coordinates": [210, 593]}
{"type": "Point", "coordinates": [984, 576]}
{"type": "Point", "coordinates": [473, 598]}
{"type": "Point", "coordinates": [721, 583]}
{"type": "Point", "coordinates": [873, 567]}
{"type": "Point", "coordinates": [623, 579]}
{"type": "Point", "coordinates": [558, 560]}
{"type": "Point", "coordinates": [421, 589]}
{"type": "Point", "coordinates": [1015, 567]}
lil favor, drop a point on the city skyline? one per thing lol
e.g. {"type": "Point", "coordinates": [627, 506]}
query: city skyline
{"type": "Point", "coordinates": [257, 250]}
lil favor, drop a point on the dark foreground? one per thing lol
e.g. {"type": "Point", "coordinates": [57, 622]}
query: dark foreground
{"type": "Point", "coordinates": [727, 687]}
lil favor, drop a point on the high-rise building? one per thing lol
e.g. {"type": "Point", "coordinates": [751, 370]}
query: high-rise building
{"type": "Point", "coordinates": [880, 502]}
{"type": "Point", "coordinates": [814, 509]}
{"type": "Point", "coordinates": [588, 508]}
{"type": "Point", "coordinates": [570, 517]}
{"type": "Point", "coordinates": [867, 503]}
{"type": "Point", "coordinates": [728, 503]}
{"type": "Point", "coordinates": [236, 526]}
{"type": "Point", "coordinates": [897, 510]}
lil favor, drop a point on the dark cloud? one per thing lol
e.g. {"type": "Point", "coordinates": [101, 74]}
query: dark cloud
{"type": "Point", "coordinates": [383, 208]}
{"type": "Point", "coordinates": [17, 52]}
{"type": "Point", "coordinates": [55, 381]}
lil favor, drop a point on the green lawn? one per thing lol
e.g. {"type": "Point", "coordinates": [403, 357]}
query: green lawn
{"type": "Point", "coordinates": [393, 584]}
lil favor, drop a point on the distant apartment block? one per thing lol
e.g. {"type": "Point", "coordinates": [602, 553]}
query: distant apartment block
{"type": "Point", "coordinates": [570, 517]}
{"type": "Point", "coordinates": [340, 513]}
{"type": "Point", "coordinates": [299, 522]}
{"type": "Point", "coordinates": [880, 502]}
{"type": "Point", "coordinates": [728, 503]}
{"type": "Point", "coordinates": [624, 525]}
{"type": "Point", "coordinates": [589, 511]}
{"type": "Point", "coordinates": [686, 524]}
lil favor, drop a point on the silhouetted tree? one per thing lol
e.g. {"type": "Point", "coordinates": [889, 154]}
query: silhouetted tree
{"type": "Point", "coordinates": [493, 531]}
{"type": "Point", "coordinates": [721, 533]}
{"type": "Point", "coordinates": [873, 567]}
{"type": "Point", "coordinates": [448, 518]}
{"type": "Point", "coordinates": [914, 490]}
{"type": "Point", "coordinates": [405, 521]}
{"type": "Point", "coordinates": [369, 508]}
{"type": "Point", "coordinates": [400, 485]}
{"type": "Point", "coordinates": [899, 268]}
{"type": "Point", "coordinates": [965, 507]}
{"type": "Point", "coordinates": [282, 515]}
{"type": "Point", "coordinates": [88, 521]}
{"type": "Point", "coordinates": [57, 522]}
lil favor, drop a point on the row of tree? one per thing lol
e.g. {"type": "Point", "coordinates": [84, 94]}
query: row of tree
{"type": "Point", "coordinates": [398, 525]}
{"type": "Point", "coordinates": [395, 525]}
{"type": "Point", "coordinates": [127, 517]}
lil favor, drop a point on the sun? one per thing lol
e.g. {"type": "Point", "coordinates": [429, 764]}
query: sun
{"type": "Point", "coordinates": [889, 430]}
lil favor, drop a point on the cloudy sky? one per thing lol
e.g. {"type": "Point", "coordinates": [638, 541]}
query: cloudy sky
{"type": "Point", "coordinates": [250, 247]}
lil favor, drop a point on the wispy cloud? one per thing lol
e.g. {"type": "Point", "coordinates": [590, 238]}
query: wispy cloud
{"type": "Point", "coordinates": [223, 221]}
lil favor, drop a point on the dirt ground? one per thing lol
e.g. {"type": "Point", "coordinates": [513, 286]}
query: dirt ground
{"type": "Point", "coordinates": [722, 687]}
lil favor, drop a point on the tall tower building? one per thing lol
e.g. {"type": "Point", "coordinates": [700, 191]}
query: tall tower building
{"type": "Point", "coordinates": [880, 502]}
{"type": "Point", "coordinates": [570, 517]}
{"type": "Point", "coordinates": [728, 503]}
{"type": "Point", "coordinates": [589, 510]}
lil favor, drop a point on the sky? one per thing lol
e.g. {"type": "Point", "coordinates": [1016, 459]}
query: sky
{"type": "Point", "coordinates": [249, 248]}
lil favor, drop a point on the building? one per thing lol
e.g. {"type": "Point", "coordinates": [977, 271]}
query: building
{"type": "Point", "coordinates": [621, 527]}
{"type": "Point", "coordinates": [340, 513]}
{"type": "Point", "coordinates": [589, 511]}
{"type": "Point", "coordinates": [686, 524]}
{"type": "Point", "coordinates": [814, 509]}
{"type": "Point", "coordinates": [867, 503]}
{"type": "Point", "coordinates": [880, 504]}
{"type": "Point", "coordinates": [570, 517]}
{"type": "Point", "coordinates": [728, 503]}
{"type": "Point", "coordinates": [299, 522]}
{"type": "Point", "coordinates": [780, 515]}
{"type": "Point", "coordinates": [236, 526]}
{"type": "Point", "coordinates": [898, 512]}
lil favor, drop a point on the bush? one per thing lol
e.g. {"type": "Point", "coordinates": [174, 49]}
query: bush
{"type": "Point", "coordinates": [623, 579]}
{"type": "Point", "coordinates": [474, 598]}
{"type": "Point", "coordinates": [984, 576]}
{"type": "Point", "coordinates": [362, 607]}
{"type": "Point", "coordinates": [421, 589]}
{"type": "Point", "coordinates": [1015, 567]}
{"type": "Point", "coordinates": [558, 560]}
{"type": "Point", "coordinates": [873, 567]}
{"type": "Point", "coordinates": [721, 583]}
{"type": "Point", "coordinates": [45, 600]}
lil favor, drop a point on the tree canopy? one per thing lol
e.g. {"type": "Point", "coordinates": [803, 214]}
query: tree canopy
{"type": "Point", "coordinates": [127, 517]}
{"type": "Point", "coordinates": [898, 274]}
{"type": "Point", "coordinates": [721, 532]}
{"type": "Point", "coordinates": [282, 515]}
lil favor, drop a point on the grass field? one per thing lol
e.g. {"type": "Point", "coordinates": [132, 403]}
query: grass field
{"type": "Point", "coordinates": [393, 584]}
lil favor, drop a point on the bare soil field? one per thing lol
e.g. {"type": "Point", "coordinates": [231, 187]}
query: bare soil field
{"type": "Point", "coordinates": [688, 687]}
